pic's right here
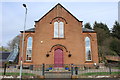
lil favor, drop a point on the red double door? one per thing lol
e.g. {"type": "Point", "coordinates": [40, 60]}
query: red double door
{"type": "Point", "coordinates": [58, 57]}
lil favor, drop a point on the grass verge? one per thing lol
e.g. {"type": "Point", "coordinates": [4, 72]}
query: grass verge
{"type": "Point", "coordinates": [99, 73]}
{"type": "Point", "coordinates": [16, 74]}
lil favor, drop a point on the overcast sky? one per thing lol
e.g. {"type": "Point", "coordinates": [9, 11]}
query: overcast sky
{"type": "Point", "coordinates": [12, 17]}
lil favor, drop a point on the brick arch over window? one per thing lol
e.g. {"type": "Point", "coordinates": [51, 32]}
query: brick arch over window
{"type": "Point", "coordinates": [28, 35]}
{"type": "Point", "coordinates": [58, 19]}
{"type": "Point", "coordinates": [58, 46]}
{"type": "Point", "coordinates": [90, 36]}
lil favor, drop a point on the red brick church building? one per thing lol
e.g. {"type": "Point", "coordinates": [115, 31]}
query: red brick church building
{"type": "Point", "coordinates": [59, 38]}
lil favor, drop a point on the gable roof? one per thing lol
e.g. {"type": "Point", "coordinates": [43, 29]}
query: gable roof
{"type": "Point", "coordinates": [55, 7]}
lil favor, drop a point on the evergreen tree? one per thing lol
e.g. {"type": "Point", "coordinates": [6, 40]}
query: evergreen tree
{"type": "Point", "coordinates": [102, 26]}
{"type": "Point", "coordinates": [87, 25]}
{"type": "Point", "coordinates": [102, 32]}
{"type": "Point", "coordinates": [116, 30]}
{"type": "Point", "coordinates": [115, 46]}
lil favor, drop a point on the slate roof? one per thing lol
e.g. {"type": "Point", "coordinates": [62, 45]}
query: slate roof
{"type": "Point", "coordinates": [83, 30]}
{"type": "Point", "coordinates": [29, 30]}
{"type": "Point", "coordinates": [87, 30]}
{"type": "Point", "coordinates": [4, 55]}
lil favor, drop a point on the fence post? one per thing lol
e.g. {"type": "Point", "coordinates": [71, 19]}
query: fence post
{"type": "Point", "coordinates": [5, 68]}
{"type": "Point", "coordinates": [76, 70]}
{"type": "Point", "coordinates": [71, 69]}
{"type": "Point", "coordinates": [109, 68]}
{"type": "Point", "coordinates": [43, 69]}
{"type": "Point", "coordinates": [31, 67]}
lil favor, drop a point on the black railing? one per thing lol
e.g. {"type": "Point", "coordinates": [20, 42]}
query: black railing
{"type": "Point", "coordinates": [73, 69]}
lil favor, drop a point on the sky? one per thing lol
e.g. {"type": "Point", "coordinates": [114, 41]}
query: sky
{"type": "Point", "coordinates": [119, 11]}
{"type": "Point", "coordinates": [13, 14]}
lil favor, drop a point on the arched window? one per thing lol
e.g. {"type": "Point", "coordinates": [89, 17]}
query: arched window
{"type": "Point", "coordinates": [55, 29]}
{"type": "Point", "coordinates": [88, 49]}
{"type": "Point", "coordinates": [58, 30]}
{"type": "Point", "coordinates": [61, 30]}
{"type": "Point", "coordinates": [29, 49]}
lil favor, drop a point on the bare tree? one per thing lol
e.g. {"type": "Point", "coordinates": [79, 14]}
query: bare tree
{"type": "Point", "coordinates": [14, 42]}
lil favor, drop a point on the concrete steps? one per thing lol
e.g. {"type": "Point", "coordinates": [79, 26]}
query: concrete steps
{"type": "Point", "coordinates": [58, 73]}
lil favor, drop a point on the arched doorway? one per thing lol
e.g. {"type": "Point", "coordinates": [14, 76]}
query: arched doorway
{"type": "Point", "coordinates": [58, 57]}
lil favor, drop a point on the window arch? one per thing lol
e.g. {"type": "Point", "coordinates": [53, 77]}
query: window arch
{"type": "Point", "coordinates": [29, 49]}
{"type": "Point", "coordinates": [58, 30]}
{"type": "Point", "coordinates": [88, 49]}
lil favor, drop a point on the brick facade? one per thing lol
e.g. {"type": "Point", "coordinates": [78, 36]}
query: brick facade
{"type": "Point", "coordinates": [73, 42]}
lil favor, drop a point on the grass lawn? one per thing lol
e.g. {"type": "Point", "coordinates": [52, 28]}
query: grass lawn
{"type": "Point", "coordinates": [99, 73]}
{"type": "Point", "coordinates": [116, 67]}
{"type": "Point", "coordinates": [24, 74]}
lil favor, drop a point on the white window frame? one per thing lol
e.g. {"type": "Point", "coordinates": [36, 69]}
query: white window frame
{"type": "Point", "coordinates": [58, 29]}
{"type": "Point", "coordinates": [29, 48]}
{"type": "Point", "coordinates": [89, 48]}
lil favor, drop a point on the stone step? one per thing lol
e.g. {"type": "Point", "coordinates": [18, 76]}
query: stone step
{"type": "Point", "coordinates": [57, 74]}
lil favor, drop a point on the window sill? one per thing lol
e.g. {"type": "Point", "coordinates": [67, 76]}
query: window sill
{"type": "Point", "coordinates": [58, 38]}
{"type": "Point", "coordinates": [28, 61]}
{"type": "Point", "coordinates": [88, 61]}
